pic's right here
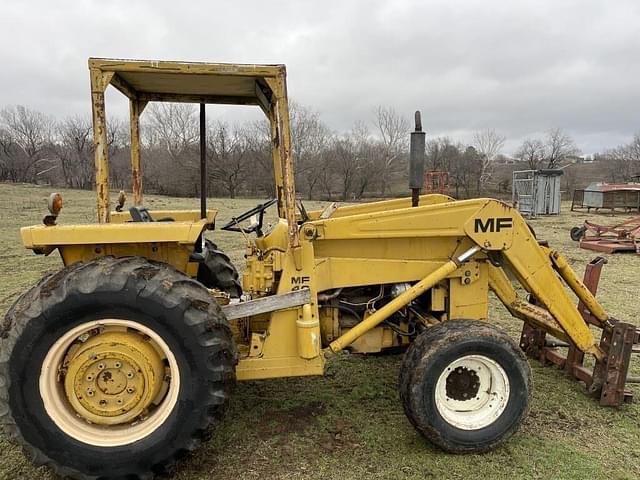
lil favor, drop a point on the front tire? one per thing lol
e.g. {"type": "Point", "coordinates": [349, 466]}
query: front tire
{"type": "Point", "coordinates": [114, 368]}
{"type": "Point", "coordinates": [217, 271]}
{"type": "Point", "coordinates": [465, 386]}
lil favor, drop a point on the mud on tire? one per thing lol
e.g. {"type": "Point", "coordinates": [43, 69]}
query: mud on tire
{"type": "Point", "coordinates": [465, 386]}
{"type": "Point", "coordinates": [178, 309]}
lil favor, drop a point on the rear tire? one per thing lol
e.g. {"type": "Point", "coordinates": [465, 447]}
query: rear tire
{"type": "Point", "coordinates": [465, 386]}
{"type": "Point", "coordinates": [217, 271]}
{"type": "Point", "coordinates": [174, 314]}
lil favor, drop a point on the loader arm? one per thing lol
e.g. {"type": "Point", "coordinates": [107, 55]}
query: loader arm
{"type": "Point", "coordinates": [534, 266]}
{"type": "Point", "coordinates": [442, 225]}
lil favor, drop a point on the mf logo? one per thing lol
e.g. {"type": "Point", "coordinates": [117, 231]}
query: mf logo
{"type": "Point", "coordinates": [492, 224]}
{"type": "Point", "coordinates": [299, 283]}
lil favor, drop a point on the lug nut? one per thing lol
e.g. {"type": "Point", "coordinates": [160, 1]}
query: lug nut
{"type": "Point", "coordinates": [101, 366]}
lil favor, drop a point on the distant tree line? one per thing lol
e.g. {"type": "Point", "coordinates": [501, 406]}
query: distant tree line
{"type": "Point", "coordinates": [369, 160]}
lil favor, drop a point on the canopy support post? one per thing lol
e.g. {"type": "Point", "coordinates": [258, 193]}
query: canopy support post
{"type": "Point", "coordinates": [203, 162]}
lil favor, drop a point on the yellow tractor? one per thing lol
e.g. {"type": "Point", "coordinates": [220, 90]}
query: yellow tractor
{"type": "Point", "coordinates": [121, 361]}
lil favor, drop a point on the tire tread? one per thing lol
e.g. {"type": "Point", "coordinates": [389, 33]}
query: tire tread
{"type": "Point", "coordinates": [201, 314]}
{"type": "Point", "coordinates": [424, 349]}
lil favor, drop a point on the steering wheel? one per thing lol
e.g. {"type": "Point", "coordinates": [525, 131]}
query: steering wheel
{"type": "Point", "coordinates": [234, 224]}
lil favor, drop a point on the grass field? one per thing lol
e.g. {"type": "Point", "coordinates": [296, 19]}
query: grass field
{"type": "Point", "coordinates": [349, 424]}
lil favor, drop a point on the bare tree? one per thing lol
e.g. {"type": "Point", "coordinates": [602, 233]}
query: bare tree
{"type": "Point", "coordinates": [393, 130]}
{"type": "Point", "coordinates": [120, 154]}
{"type": "Point", "coordinates": [352, 165]}
{"type": "Point", "coordinates": [74, 150]}
{"type": "Point", "coordinates": [365, 158]}
{"type": "Point", "coordinates": [465, 171]}
{"type": "Point", "coordinates": [310, 137]}
{"type": "Point", "coordinates": [559, 146]}
{"type": "Point", "coordinates": [531, 151]}
{"type": "Point", "coordinates": [488, 144]}
{"type": "Point", "coordinates": [344, 153]}
{"type": "Point", "coordinates": [26, 139]}
{"type": "Point", "coordinates": [11, 162]}
{"type": "Point", "coordinates": [174, 128]}
{"type": "Point", "coordinates": [328, 176]}
{"type": "Point", "coordinates": [170, 137]}
{"type": "Point", "coordinates": [260, 175]}
{"type": "Point", "coordinates": [439, 152]}
{"type": "Point", "coordinates": [623, 162]}
{"type": "Point", "coordinates": [464, 164]}
{"type": "Point", "coordinates": [228, 155]}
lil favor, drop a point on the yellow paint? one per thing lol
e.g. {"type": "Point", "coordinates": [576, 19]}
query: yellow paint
{"type": "Point", "coordinates": [168, 242]}
{"type": "Point", "coordinates": [438, 298]}
{"type": "Point", "coordinates": [139, 232]}
{"type": "Point", "coordinates": [468, 297]}
{"type": "Point", "coordinates": [135, 109]}
{"type": "Point", "coordinates": [579, 288]}
{"type": "Point", "coordinates": [101, 147]}
{"type": "Point", "coordinates": [308, 326]}
{"type": "Point", "coordinates": [113, 377]}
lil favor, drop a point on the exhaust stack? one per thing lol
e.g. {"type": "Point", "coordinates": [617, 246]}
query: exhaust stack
{"type": "Point", "coordinates": [416, 161]}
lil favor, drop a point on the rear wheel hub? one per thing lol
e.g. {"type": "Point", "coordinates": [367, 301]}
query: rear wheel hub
{"type": "Point", "coordinates": [113, 377]}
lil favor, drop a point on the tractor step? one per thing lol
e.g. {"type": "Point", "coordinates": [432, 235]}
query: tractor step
{"type": "Point", "coordinates": [608, 378]}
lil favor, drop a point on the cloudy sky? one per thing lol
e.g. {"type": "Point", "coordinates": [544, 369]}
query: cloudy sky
{"type": "Point", "coordinates": [520, 67]}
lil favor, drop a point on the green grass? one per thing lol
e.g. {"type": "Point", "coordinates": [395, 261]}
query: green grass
{"type": "Point", "coordinates": [349, 424]}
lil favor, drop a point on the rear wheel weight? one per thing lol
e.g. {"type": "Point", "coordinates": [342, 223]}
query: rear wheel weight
{"type": "Point", "coordinates": [465, 386]}
{"type": "Point", "coordinates": [156, 322]}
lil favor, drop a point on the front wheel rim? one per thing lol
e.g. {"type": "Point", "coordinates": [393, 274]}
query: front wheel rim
{"type": "Point", "coordinates": [472, 392]}
{"type": "Point", "coordinates": [80, 417]}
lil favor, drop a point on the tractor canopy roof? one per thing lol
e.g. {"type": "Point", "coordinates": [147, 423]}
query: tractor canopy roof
{"type": "Point", "coordinates": [192, 82]}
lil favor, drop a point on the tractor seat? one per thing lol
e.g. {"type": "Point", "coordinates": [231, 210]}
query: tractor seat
{"type": "Point", "coordinates": [141, 214]}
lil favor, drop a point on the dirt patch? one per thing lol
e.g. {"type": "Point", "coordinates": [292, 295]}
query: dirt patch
{"type": "Point", "coordinates": [291, 420]}
{"type": "Point", "coordinates": [555, 421]}
{"type": "Point", "coordinates": [303, 418]}
{"type": "Point", "coordinates": [338, 436]}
